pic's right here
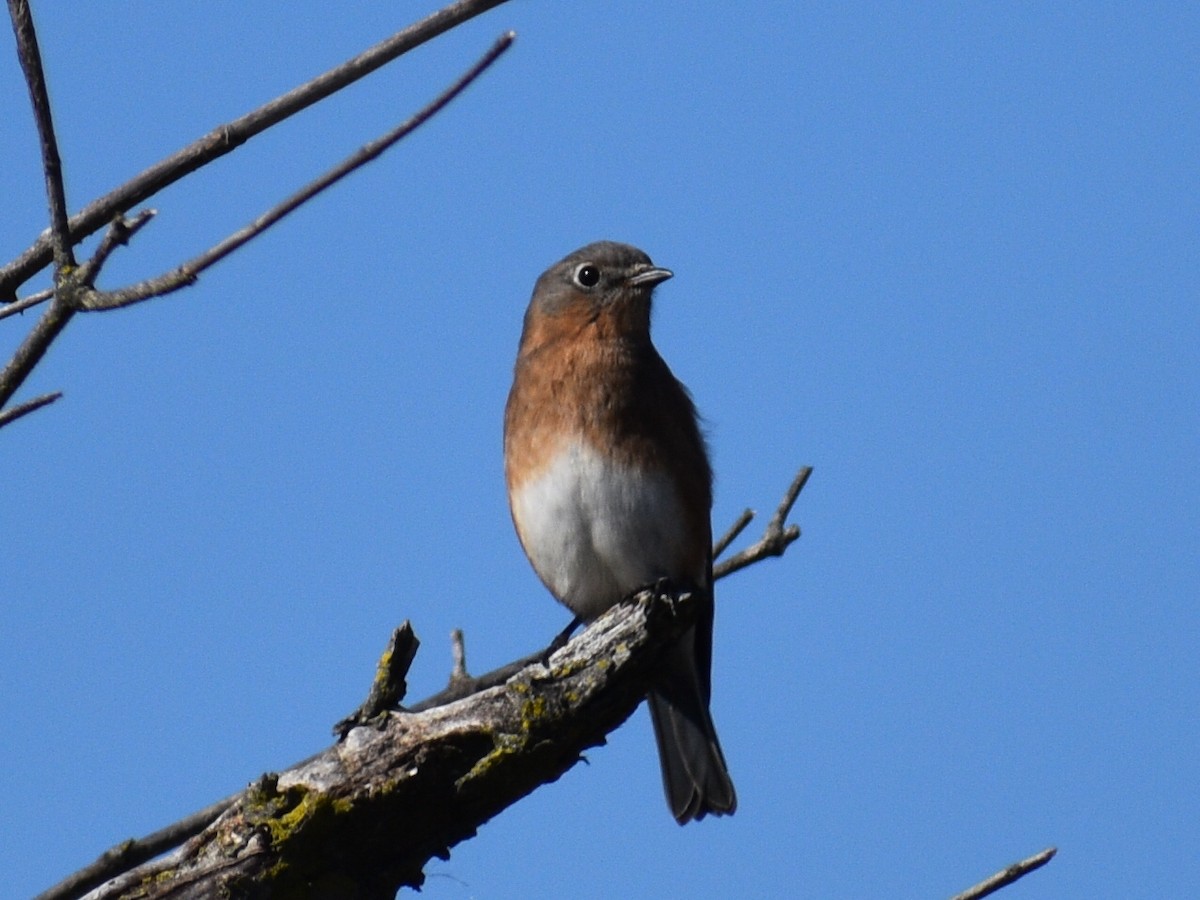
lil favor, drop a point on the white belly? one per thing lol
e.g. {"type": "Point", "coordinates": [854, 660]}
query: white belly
{"type": "Point", "coordinates": [595, 531]}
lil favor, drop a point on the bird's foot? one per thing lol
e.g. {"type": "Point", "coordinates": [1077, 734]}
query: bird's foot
{"type": "Point", "coordinates": [560, 640]}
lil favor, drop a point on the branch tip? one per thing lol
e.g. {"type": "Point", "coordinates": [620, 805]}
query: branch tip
{"type": "Point", "coordinates": [1007, 876]}
{"type": "Point", "coordinates": [224, 138]}
{"type": "Point", "coordinates": [738, 526]}
{"type": "Point", "coordinates": [10, 415]}
{"type": "Point", "coordinates": [389, 685]}
{"type": "Point", "coordinates": [190, 271]}
{"type": "Point", "coordinates": [775, 539]}
{"type": "Point", "coordinates": [458, 647]}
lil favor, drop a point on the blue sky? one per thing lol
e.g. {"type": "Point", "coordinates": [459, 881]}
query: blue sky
{"type": "Point", "coordinates": [945, 255]}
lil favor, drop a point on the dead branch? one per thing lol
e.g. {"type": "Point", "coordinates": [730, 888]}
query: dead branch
{"type": "Point", "coordinates": [1007, 876]}
{"type": "Point", "coordinates": [225, 138]}
{"type": "Point", "coordinates": [186, 274]}
{"type": "Point", "coordinates": [23, 409]}
{"type": "Point", "coordinates": [370, 811]}
{"type": "Point", "coordinates": [30, 57]}
{"type": "Point", "coordinates": [550, 668]}
{"type": "Point", "coordinates": [126, 855]}
{"type": "Point", "coordinates": [775, 539]}
{"type": "Point", "coordinates": [18, 306]}
{"type": "Point", "coordinates": [390, 683]}
{"type": "Point", "coordinates": [75, 286]}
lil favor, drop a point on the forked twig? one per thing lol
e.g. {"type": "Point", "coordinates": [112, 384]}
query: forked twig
{"type": "Point", "coordinates": [77, 292]}
{"type": "Point", "coordinates": [225, 138]}
{"type": "Point", "coordinates": [188, 272]}
{"type": "Point", "coordinates": [55, 319]}
{"type": "Point", "coordinates": [120, 230]}
{"type": "Point", "coordinates": [775, 539]}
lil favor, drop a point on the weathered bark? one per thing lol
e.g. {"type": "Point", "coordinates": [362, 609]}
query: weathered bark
{"type": "Point", "coordinates": [361, 819]}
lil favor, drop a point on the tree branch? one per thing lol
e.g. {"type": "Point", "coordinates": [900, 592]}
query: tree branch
{"type": "Point", "coordinates": [776, 538]}
{"type": "Point", "coordinates": [55, 319]}
{"type": "Point", "coordinates": [128, 854]}
{"type": "Point", "coordinates": [389, 685]}
{"type": "Point", "coordinates": [33, 348]}
{"type": "Point", "coordinates": [739, 525]}
{"type": "Point", "coordinates": [231, 135]}
{"type": "Point", "coordinates": [545, 686]}
{"type": "Point", "coordinates": [120, 230]}
{"type": "Point", "coordinates": [187, 273]}
{"type": "Point", "coordinates": [74, 288]}
{"type": "Point", "coordinates": [13, 413]}
{"type": "Point", "coordinates": [368, 813]}
{"type": "Point", "coordinates": [19, 306]}
{"type": "Point", "coordinates": [35, 80]}
{"type": "Point", "coordinates": [1007, 876]}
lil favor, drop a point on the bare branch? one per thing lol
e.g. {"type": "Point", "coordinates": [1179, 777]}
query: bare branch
{"type": "Point", "coordinates": [188, 272]}
{"type": "Point", "coordinates": [392, 670]}
{"type": "Point", "coordinates": [370, 811]}
{"type": "Point", "coordinates": [459, 646]}
{"type": "Point", "coordinates": [35, 79]}
{"type": "Point", "coordinates": [1007, 876]}
{"type": "Point", "coordinates": [226, 138]}
{"type": "Point", "coordinates": [19, 306]}
{"type": "Point", "coordinates": [55, 319]}
{"type": "Point", "coordinates": [33, 348]}
{"type": "Point", "coordinates": [126, 855]}
{"type": "Point", "coordinates": [389, 685]}
{"type": "Point", "coordinates": [776, 538]}
{"type": "Point", "coordinates": [738, 526]}
{"type": "Point", "coordinates": [120, 230]}
{"type": "Point", "coordinates": [11, 415]}
{"type": "Point", "coordinates": [75, 292]}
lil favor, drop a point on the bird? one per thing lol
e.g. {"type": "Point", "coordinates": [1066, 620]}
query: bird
{"type": "Point", "coordinates": [610, 487]}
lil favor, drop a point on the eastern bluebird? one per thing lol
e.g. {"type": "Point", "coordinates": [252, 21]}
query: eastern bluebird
{"type": "Point", "coordinates": [610, 486]}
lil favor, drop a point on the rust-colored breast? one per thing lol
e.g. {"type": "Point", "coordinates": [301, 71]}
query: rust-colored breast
{"type": "Point", "coordinates": [586, 377]}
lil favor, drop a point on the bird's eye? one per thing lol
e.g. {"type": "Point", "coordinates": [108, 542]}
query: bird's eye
{"type": "Point", "coordinates": [587, 275]}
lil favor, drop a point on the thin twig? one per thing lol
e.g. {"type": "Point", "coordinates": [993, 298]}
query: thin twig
{"type": "Point", "coordinates": [120, 230]}
{"type": "Point", "coordinates": [8, 416]}
{"type": "Point", "coordinates": [77, 295]}
{"type": "Point", "coordinates": [35, 79]}
{"type": "Point", "coordinates": [1007, 876]}
{"type": "Point", "coordinates": [55, 319]}
{"type": "Point", "coordinates": [225, 138]}
{"type": "Point", "coordinates": [33, 348]}
{"type": "Point", "coordinates": [127, 854]}
{"type": "Point", "coordinates": [738, 526]}
{"type": "Point", "coordinates": [188, 272]}
{"type": "Point", "coordinates": [776, 537]}
{"type": "Point", "coordinates": [19, 306]}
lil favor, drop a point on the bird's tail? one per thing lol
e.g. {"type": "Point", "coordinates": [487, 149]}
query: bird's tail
{"type": "Point", "coordinates": [695, 777]}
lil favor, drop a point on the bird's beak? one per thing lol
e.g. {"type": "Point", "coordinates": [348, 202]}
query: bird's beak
{"type": "Point", "coordinates": [649, 275]}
